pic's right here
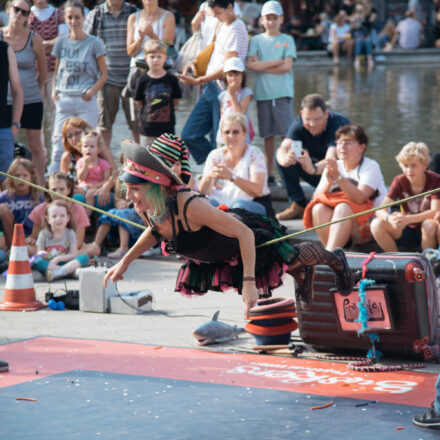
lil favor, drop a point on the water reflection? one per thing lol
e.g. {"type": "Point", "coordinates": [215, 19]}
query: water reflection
{"type": "Point", "coordinates": [395, 104]}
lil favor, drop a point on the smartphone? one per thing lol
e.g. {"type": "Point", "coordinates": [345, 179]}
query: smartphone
{"type": "Point", "coordinates": [297, 147]}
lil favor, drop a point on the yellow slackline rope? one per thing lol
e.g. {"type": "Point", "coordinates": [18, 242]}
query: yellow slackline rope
{"type": "Point", "coordinates": [276, 240]}
{"type": "Point", "coordinates": [61, 196]}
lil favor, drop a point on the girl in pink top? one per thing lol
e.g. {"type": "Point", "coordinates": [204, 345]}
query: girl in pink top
{"type": "Point", "coordinates": [92, 171]}
{"type": "Point", "coordinates": [60, 183]}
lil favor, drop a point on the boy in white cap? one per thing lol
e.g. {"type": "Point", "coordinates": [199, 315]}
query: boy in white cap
{"type": "Point", "coordinates": [271, 55]}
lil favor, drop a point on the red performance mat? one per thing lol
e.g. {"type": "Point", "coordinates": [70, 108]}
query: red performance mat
{"type": "Point", "coordinates": [112, 389]}
{"type": "Point", "coordinates": [51, 356]}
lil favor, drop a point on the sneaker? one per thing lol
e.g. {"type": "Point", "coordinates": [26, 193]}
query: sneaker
{"type": "Point", "coordinates": [293, 211]}
{"type": "Point", "coordinates": [304, 288]}
{"type": "Point", "coordinates": [152, 252]}
{"type": "Point", "coordinates": [4, 367]}
{"type": "Point", "coordinates": [344, 278]}
{"type": "Point", "coordinates": [55, 274]}
{"type": "Point", "coordinates": [428, 420]}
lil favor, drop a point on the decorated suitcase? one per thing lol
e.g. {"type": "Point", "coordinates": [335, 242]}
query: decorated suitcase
{"type": "Point", "coordinates": [401, 304]}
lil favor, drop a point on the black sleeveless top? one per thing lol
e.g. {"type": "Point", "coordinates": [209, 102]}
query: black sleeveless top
{"type": "Point", "coordinates": [5, 113]}
{"type": "Point", "coordinates": [204, 245]}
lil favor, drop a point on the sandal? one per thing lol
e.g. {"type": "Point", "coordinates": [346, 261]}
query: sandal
{"type": "Point", "coordinates": [117, 254]}
{"type": "Point", "coordinates": [344, 278]}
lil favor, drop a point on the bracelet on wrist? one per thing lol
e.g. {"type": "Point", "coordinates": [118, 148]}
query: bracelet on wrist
{"type": "Point", "coordinates": [387, 217]}
{"type": "Point", "coordinates": [338, 178]}
{"type": "Point", "coordinates": [315, 169]}
{"type": "Point", "coordinates": [248, 279]}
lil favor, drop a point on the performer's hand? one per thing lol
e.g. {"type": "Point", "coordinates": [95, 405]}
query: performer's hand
{"type": "Point", "coordinates": [250, 297]}
{"type": "Point", "coordinates": [116, 272]}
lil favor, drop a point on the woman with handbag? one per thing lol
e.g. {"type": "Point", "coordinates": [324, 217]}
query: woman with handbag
{"type": "Point", "coordinates": [231, 40]}
{"type": "Point", "coordinates": [349, 185]}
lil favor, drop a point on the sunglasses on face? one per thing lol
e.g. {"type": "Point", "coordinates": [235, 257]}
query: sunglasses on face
{"type": "Point", "coordinates": [234, 132]}
{"type": "Point", "coordinates": [90, 133]}
{"type": "Point", "coordinates": [74, 134]}
{"type": "Point", "coordinates": [24, 12]}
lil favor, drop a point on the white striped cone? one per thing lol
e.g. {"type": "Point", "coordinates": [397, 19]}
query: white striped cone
{"type": "Point", "coordinates": [19, 292]}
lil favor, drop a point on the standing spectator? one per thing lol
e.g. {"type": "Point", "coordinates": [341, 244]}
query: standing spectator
{"type": "Point", "coordinates": [157, 95]}
{"type": "Point", "coordinates": [315, 128]}
{"type": "Point", "coordinates": [231, 41]}
{"type": "Point", "coordinates": [360, 33]}
{"type": "Point", "coordinates": [9, 117]}
{"type": "Point", "coordinates": [74, 88]}
{"type": "Point", "coordinates": [108, 21]}
{"type": "Point", "coordinates": [409, 32]}
{"type": "Point", "coordinates": [340, 37]}
{"type": "Point", "coordinates": [272, 54]}
{"type": "Point", "coordinates": [48, 22]}
{"type": "Point", "coordinates": [236, 97]}
{"type": "Point", "coordinates": [28, 48]}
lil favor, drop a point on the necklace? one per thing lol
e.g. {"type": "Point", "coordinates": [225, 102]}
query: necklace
{"type": "Point", "coordinates": [162, 217]}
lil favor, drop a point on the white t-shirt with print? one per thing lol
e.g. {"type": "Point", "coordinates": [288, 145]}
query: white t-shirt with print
{"type": "Point", "coordinates": [252, 162]}
{"type": "Point", "coordinates": [367, 173]}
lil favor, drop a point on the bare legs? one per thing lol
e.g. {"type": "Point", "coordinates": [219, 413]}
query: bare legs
{"type": "Point", "coordinates": [38, 153]}
{"type": "Point", "coordinates": [269, 148]}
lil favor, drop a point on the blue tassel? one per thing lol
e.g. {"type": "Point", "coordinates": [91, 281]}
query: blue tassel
{"type": "Point", "coordinates": [362, 305]}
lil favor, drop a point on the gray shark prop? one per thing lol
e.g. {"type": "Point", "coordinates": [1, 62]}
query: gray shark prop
{"type": "Point", "coordinates": [214, 331]}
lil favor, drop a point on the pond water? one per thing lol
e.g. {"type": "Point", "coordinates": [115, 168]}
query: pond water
{"type": "Point", "coordinates": [395, 104]}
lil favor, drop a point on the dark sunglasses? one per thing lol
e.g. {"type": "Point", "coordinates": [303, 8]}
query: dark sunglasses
{"type": "Point", "coordinates": [74, 134]}
{"type": "Point", "coordinates": [24, 12]}
{"type": "Point", "coordinates": [234, 132]}
{"type": "Point", "coordinates": [90, 133]}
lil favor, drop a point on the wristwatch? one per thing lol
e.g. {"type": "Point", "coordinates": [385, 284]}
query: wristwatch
{"type": "Point", "coordinates": [16, 124]}
{"type": "Point", "coordinates": [233, 176]}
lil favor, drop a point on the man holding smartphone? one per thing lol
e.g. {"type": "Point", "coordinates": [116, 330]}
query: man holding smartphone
{"type": "Point", "coordinates": [315, 128]}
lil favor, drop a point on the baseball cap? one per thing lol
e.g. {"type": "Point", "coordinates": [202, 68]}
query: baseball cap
{"type": "Point", "coordinates": [272, 7]}
{"type": "Point", "coordinates": [233, 64]}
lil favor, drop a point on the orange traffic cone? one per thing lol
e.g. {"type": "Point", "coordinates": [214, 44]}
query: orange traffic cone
{"type": "Point", "coordinates": [19, 293]}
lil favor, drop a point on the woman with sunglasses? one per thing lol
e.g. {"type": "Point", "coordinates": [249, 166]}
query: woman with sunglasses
{"type": "Point", "coordinates": [29, 51]}
{"type": "Point", "coordinates": [236, 174]}
{"type": "Point", "coordinates": [80, 71]}
{"type": "Point", "coordinates": [220, 246]}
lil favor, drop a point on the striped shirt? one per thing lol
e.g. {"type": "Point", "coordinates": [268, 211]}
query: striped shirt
{"type": "Point", "coordinates": [409, 33]}
{"type": "Point", "coordinates": [113, 32]}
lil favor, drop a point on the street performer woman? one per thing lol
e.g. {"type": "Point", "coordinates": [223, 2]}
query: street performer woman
{"type": "Point", "coordinates": [219, 246]}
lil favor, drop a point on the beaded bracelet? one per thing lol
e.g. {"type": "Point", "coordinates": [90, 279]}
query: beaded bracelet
{"type": "Point", "coordinates": [248, 279]}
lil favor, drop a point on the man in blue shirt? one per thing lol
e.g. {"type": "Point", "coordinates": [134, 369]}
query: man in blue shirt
{"type": "Point", "coordinates": [315, 130]}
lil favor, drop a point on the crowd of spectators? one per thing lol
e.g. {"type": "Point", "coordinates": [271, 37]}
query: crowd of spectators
{"type": "Point", "coordinates": [117, 54]}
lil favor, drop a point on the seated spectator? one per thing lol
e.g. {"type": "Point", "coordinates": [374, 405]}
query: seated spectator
{"type": "Point", "coordinates": [18, 199]}
{"type": "Point", "coordinates": [349, 185]}
{"type": "Point", "coordinates": [340, 37]}
{"type": "Point", "coordinates": [118, 231]}
{"type": "Point", "coordinates": [94, 173]}
{"type": "Point", "coordinates": [361, 37]}
{"type": "Point", "coordinates": [295, 28]}
{"type": "Point", "coordinates": [386, 36]}
{"type": "Point", "coordinates": [437, 30]}
{"type": "Point", "coordinates": [315, 129]}
{"type": "Point", "coordinates": [236, 97]}
{"type": "Point", "coordinates": [57, 241]}
{"type": "Point", "coordinates": [62, 184]}
{"type": "Point", "coordinates": [414, 224]}
{"type": "Point", "coordinates": [409, 32]}
{"type": "Point", "coordinates": [236, 174]}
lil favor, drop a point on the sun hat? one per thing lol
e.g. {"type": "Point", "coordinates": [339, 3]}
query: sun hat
{"type": "Point", "coordinates": [172, 149]}
{"type": "Point", "coordinates": [233, 64]}
{"type": "Point", "coordinates": [142, 166]}
{"type": "Point", "coordinates": [272, 7]}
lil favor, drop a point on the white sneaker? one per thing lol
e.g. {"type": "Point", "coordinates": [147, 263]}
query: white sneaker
{"type": "Point", "coordinates": [152, 252]}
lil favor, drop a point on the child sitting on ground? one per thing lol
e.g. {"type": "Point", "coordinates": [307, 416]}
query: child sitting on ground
{"type": "Point", "coordinates": [18, 199]}
{"type": "Point", "coordinates": [94, 172]}
{"type": "Point", "coordinates": [57, 241]}
{"type": "Point", "coordinates": [60, 183]}
{"type": "Point", "coordinates": [157, 94]}
{"type": "Point", "coordinates": [414, 225]}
